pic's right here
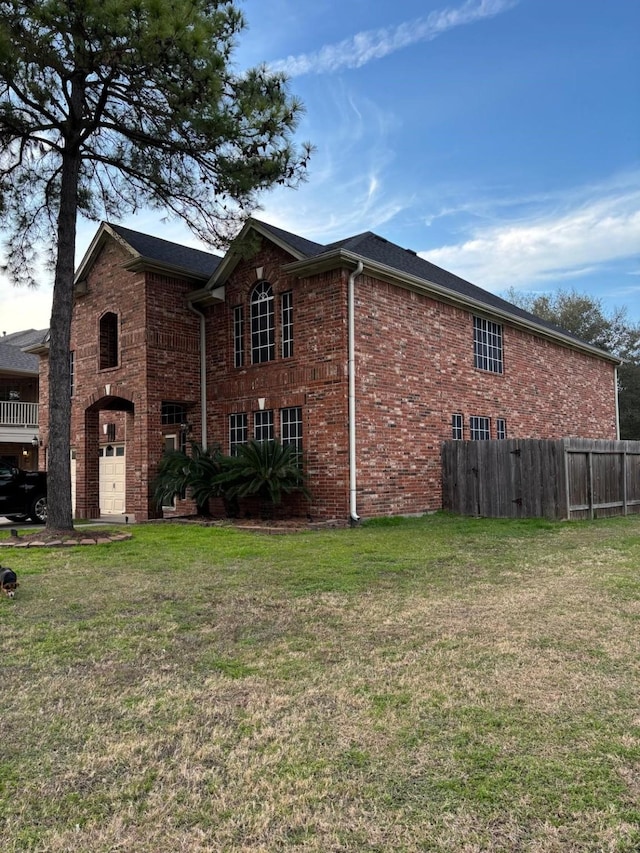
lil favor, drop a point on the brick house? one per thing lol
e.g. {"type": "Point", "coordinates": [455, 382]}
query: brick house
{"type": "Point", "coordinates": [19, 430]}
{"type": "Point", "coordinates": [360, 352]}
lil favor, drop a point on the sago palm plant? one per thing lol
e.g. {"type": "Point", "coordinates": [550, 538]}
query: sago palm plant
{"type": "Point", "coordinates": [267, 470]}
{"type": "Point", "coordinates": [179, 472]}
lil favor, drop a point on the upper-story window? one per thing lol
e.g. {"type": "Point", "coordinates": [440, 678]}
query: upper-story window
{"type": "Point", "coordinates": [238, 336]}
{"type": "Point", "coordinates": [287, 324]}
{"type": "Point", "coordinates": [487, 345]}
{"type": "Point", "coordinates": [262, 324]}
{"type": "Point", "coordinates": [108, 340]}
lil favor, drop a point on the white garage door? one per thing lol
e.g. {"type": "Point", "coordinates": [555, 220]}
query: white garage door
{"type": "Point", "coordinates": [112, 480]}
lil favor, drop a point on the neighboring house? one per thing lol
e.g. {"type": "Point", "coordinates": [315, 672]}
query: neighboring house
{"type": "Point", "coordinates": [362, 354]}
{"type": "Point", "coordinates": [19, 431]}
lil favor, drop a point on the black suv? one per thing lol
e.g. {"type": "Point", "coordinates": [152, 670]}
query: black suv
{"type": "Point", "coordinates": [23, 494]}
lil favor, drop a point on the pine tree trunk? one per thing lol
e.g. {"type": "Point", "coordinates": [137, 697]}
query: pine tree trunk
{"type": "Point", "coordinates": [60, 515]}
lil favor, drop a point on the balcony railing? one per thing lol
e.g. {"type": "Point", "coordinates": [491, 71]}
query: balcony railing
{"type": "Point", "coordinates": [19, 414]}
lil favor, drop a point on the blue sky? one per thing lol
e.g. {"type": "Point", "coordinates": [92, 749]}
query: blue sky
{"type": "Point", "coordinates": [499, 139]}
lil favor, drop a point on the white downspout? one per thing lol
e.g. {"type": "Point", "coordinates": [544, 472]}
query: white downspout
{"type": "Point", "coordinates": [615, 385]}
{"type": "Point", "coordinates": [203, 374]}
{"type": "Point", "coordinates": [353, 515]}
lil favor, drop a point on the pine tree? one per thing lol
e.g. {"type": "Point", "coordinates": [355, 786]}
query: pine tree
{"type": "Point", "coordinates": [107, 106]}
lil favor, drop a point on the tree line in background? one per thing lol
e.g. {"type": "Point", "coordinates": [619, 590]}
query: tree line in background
{"type": "Point", "coordinates": [612, 331]}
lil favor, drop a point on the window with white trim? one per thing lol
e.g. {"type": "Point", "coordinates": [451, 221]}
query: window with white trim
{"type": "Point", "coordinates": [287, 324]}
{"type": "Point", "coordinates": [479, 428]}
{"type": "Point", "coordinates": [238, 336]}
{"type": "Point", "coordinates": [72, 372]}
{"type": "Point", "coordinates": [263, 347]}
{"type": "Point", "coordinates": [291, 428]}
{"type": "Point", "coordinates": [487, 345]}
{"type": "Point", "coordinates": [238, 431]}
{"type": "Point", "coordinates": [457, 427]}
{"type": "Point", "coordinates": [263, 425]}
{"type": "Point", "coordinates": [501, 429]}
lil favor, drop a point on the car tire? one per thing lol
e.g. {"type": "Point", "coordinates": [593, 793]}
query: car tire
{"type": "Point", "coordinates": [38, 511]}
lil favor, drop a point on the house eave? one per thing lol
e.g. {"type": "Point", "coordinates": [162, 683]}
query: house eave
{"type": "Point", "coordinates": [204, 296]}
{"type": "Point", "coordinates": [349, 260]}
{"type": "Point", "coordinates": [142, 264]}
{"type": "Point", "coordinates": [16, 371]}
{"type": "Point", "coordinates": [38, 349]}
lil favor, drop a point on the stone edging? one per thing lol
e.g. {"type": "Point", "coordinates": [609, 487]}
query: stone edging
{"type": "Point", "coordinates": [98, 539]}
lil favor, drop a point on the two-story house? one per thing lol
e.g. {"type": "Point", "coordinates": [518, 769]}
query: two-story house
{"type": "Point", "coordinates": [19, 430]}
{"type": "Point", "coordinates": [361, 353]}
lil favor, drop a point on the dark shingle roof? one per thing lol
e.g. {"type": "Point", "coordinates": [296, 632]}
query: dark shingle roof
{"type": "Point", "coordinates": [165, 252]}
{"type": "Point", "coordinates": [26, 338]}
{"type": "Point", "coordinates": [378, 249]}
{"type": "Point", "coordinates": [305, 247]}
{"type": "Point", "coordinates": [14, 360]}
{"type": "Point", "coordinates": [372, 247]}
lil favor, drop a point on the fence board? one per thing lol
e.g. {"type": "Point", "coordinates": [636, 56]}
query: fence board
{"type": "Point", "coordinates": [564, 478]}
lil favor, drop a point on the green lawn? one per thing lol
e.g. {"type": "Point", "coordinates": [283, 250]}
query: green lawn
{"type": "Point", "coordinates": [433, 684]}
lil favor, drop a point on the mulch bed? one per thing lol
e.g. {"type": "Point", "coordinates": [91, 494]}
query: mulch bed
{"type": "Point", "coordinates": [88, 536]}
{"type": "Point", "coordinates": [60, 538]}
{"type": "Point", "coordinates": [258, 525]}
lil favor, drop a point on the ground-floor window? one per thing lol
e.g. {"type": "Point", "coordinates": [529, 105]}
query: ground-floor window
{"type": "Point", "coordinates": [173, 413]}
{"type": "Point", "coordinates": [501, 428]}
{"type": "Point", "coordinates": [264, 428]}
{"type": "Point", "coordinates": [263, 425]}
{"type": "Point", "coordinates": [291, 427]}
{"type": "Point", "coordinates": [238, 431]}
{"type": "Point", "coordinates": [479, 428]}
{"type": "Point", "coordinates": [110, 450]}
{"type": "Point", "coordinates": [457, 427]}
{"type": "Point", "coordinates": [170, 445]}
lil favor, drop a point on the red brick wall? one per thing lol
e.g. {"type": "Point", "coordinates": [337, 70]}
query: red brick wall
{"type": "Point", "coordinates": [415, 369]}
{"type": "Point", "coordinates": [414, 366]}
{"type": "Point", "coordinates": [314, 378]}
{"type": "Point", "coordinates": [158, 360]}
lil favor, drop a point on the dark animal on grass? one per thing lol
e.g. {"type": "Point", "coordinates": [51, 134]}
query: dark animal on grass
{"type": "Point", "coordinates": [8, 582]}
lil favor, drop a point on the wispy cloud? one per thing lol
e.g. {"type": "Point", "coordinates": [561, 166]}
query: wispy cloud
{"type": "Point", "coordinates": [549, 247]}
{"type": "Point", "coordinates": [369, 45]}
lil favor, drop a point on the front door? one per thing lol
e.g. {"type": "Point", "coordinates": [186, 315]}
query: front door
{"type": "Point", "coordinates": [112, 479]}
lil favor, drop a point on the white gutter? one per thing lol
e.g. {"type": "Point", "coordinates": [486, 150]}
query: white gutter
{"type": "Point", "coordinates": [203, 375]}
{"type": "Point", "coordinates": [353, 515]}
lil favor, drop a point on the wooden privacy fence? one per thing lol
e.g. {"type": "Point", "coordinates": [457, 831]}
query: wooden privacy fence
{"type": "Point", "coordinates": [569, 478]}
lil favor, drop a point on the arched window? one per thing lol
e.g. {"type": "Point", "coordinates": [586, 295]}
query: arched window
{"type": "Point", "coordinates": [262, 324]}
{"type": "Point", "coordinates": [108, 340]}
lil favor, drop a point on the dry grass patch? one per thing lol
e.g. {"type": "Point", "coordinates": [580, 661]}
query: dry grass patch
{"type": "Point", "coordinates": [429, 685]}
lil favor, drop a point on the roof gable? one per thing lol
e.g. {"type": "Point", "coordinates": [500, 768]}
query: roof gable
{"type": "Point", "coordinates": [298, 247]}
{"type": "Point", "coordinates": [146, 251]}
